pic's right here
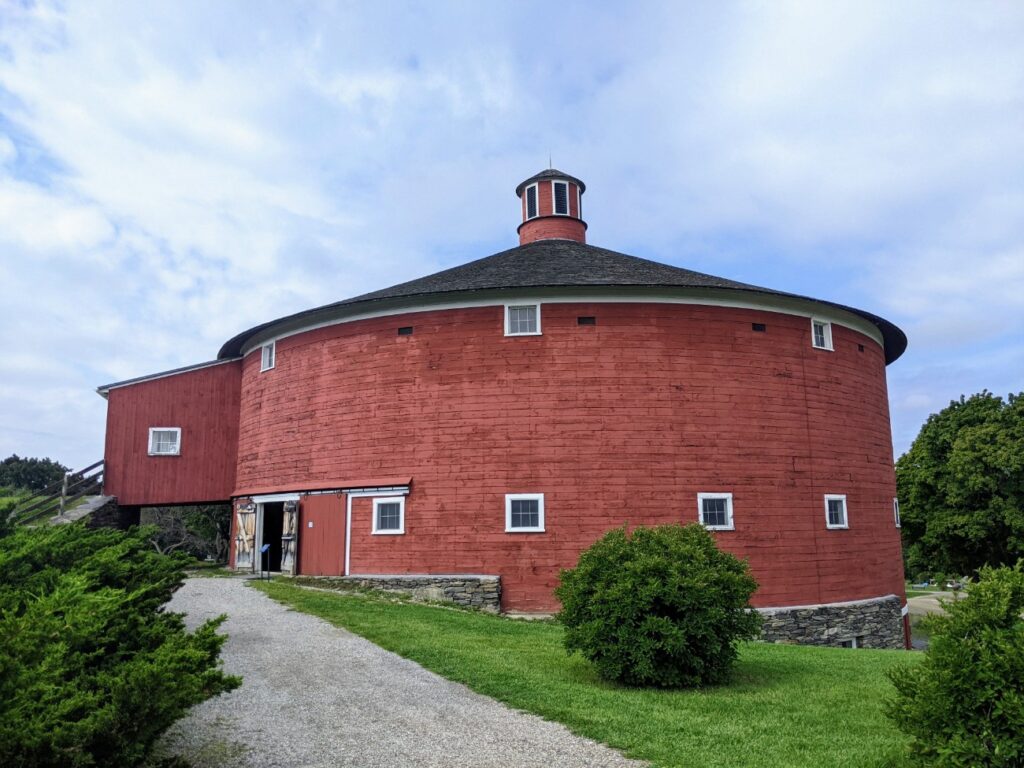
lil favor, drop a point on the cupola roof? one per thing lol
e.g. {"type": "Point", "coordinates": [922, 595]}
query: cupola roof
{"type": "Point", "coordinates": [550, 173]}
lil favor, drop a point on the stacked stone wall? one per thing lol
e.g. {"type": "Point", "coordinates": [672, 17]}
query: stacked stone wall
{"type": "Point", "coordinates": [874, 623]}
{"type": "Point", "coordinates": [481, 592]}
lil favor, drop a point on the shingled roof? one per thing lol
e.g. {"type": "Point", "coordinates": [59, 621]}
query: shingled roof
{"type": "Point", "coordinates": [550, 173]}
{"type": "Point", "coordinates": [557, 264]}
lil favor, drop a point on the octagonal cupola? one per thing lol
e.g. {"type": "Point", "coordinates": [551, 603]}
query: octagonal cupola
{"type": "Point", "coordinates": [552, 204]}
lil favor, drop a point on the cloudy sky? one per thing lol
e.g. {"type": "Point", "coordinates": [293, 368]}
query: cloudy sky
{"type": "Point", "coordinates": [172, 173]}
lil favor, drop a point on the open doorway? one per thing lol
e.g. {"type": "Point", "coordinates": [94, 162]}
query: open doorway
{"type": "Point", "coordinates": [270, 533]}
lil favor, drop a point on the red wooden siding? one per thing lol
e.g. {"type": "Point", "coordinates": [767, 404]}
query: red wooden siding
{"type": "Point", "coordinates": [322, 547]}
{"type": "Point", "coordinates": [622, 422]}
{"type": "Point", "coordinates": [204, 404]}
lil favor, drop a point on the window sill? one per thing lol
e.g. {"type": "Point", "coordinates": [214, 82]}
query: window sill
{"type": "Point", "coordinates": [524, 530]}
{"type": "Point", "coordinates": [838, 527]}
{"type": "Point", "coordinates": [719, 527]}
{"type": "Point", "coordinates": [531, 333]}
{"type": "Point", "coordinates": [388, 533]}
{"type": "Point", "coordinates": [168, 455]}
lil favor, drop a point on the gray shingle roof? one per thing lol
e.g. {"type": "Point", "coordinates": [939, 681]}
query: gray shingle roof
{"type": "Point", "coordinates": [558, 264]}
{"type": "Point", "coordinates": [552, 263]}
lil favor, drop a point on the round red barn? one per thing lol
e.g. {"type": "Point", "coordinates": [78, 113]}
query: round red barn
{"type": "Point", "coordinates": [495, 419]}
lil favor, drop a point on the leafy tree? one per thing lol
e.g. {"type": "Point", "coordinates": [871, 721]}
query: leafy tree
{"type": "Point", "coordinates": [30, 474]}
{"type": "Point", "coordinates": [662, 607]}
{"type": "Point", "coordinates": [961, 486]}
{"type": "Point", "coordinates": [964, 704]}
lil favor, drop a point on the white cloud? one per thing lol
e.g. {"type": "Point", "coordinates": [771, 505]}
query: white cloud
{"type": "Point", "coordinates": [37, 220]}
{"type": "Point", "coordinates": [8, 151]}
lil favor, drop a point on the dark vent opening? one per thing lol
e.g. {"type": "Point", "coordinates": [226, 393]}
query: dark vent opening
{"type": "Point", "coordinates": [561, 198]}
{"type": "Point", "coordinates": [759, 327]}
{"type": "Point", "coordinates": [531, 202]}
{"type": "Point", "coordinates": [405, 330]}
{"type": "Point", "coordinates": [588, 320]}
{"type": "Point", "coordinates": [860, 347]}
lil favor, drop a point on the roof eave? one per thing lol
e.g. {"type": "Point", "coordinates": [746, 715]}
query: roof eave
{"type": "Point", "coordinates": [104, 389]}
{"type": "Point", "coordinates": [894, 340]}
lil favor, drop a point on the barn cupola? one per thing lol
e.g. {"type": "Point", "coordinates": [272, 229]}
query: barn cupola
{"type": "Point", "coordinates": [552, 208]}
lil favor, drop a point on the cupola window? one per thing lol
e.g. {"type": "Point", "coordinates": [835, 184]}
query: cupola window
{"type": "Point", "coordinates": [531, 201]}
{"type": "Point", "coordinates": [560, 190]}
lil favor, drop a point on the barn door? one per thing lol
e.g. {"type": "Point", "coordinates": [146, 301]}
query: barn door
{"type": "Point", "coordinates": [289, 537]}
{"type": "Point", "coordinates": [245, 535]}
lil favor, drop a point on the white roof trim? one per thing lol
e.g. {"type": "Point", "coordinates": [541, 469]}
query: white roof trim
{"type": "Point", "coordinates": [105, 388]}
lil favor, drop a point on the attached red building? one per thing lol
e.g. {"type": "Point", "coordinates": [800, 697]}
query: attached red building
{"type": "Point", "coordinates": [499, 417]}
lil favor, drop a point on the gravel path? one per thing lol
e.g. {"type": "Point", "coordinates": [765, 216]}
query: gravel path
{"type": "Point", "coordinates": [316, 695]}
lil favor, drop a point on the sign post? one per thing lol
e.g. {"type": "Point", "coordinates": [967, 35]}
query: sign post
{"type": "Point", "coordinates": [265, 561]}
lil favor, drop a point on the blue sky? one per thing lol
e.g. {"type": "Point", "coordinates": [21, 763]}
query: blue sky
{"type": "Point", "coordinates": [173, 173]}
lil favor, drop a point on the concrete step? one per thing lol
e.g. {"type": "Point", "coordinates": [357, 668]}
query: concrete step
{"type": "Point", "coordinates": [84, 508]}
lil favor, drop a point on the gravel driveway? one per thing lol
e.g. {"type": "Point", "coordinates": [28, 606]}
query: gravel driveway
{"type": "Point", "coordinates": [316, 695]}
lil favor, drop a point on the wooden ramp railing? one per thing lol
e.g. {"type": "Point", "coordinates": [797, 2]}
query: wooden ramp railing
{"type": "Point", "coordinates": [58, 497]}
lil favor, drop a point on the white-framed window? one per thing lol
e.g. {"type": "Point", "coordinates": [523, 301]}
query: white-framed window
{"type": "Point", "coordinates": [896, 511]}
{"type": "Point", "coordinates": [389, 515]}
{"type": "Point", "coordinates": [164, 441]}
{"type": "Point", "coordinates": [835, 511]}
{"type": "Point", "coordinates": [524, 512]}
{"type": "Point", "coordinates": [853, 642]}
{"type": "Point", "coordinates": [715, 511]}
{"type": "Point", "coordinates": [522, 319]}
{"type": "Point", "coordinates": [268, 355]}
{"type": "Point", "coordinates": [532, 210]}
{"type": "Point", "coordinates": [560, 198]}
{"type": "Point", "coordinates": [821, 334]}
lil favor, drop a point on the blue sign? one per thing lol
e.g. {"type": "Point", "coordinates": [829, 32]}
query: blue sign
{"type": "Point", "coordinates": [265, 548]}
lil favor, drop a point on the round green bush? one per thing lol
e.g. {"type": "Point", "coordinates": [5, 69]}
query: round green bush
{"type": "Point", "coordinates": [963, 705]}
{"type": "Point", "coordinates": [661, 607]}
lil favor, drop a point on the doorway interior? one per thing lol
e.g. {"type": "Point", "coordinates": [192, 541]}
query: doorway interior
{"type": "Point", "coordinates": [271, 527]}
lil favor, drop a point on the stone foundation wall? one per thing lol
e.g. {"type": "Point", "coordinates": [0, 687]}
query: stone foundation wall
{"type": "Point", "coordinates": [481, 592]}
{"type": "Point", "coordinates": [112, 515]}
{"type": "Point", "coordinates": [876, 623]}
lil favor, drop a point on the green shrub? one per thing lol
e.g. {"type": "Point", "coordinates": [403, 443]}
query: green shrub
{"type": "Point", "coordinates": [964, 704]}
{"type": "Point", "coordinates": [662, 607]}
{"type": "Point", "coordinates": [92, 671]}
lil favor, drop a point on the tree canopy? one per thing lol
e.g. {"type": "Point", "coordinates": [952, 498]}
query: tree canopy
{"type": "Point", "coordinates": [961, 487]}
{"type": "Point", "coordinates": [30, 474]}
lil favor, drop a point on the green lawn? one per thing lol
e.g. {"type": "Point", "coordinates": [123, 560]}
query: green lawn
{"type": "Point", "coordinates": [12, 494]}
{"type": "Point", "coordinates": [787, 706]}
